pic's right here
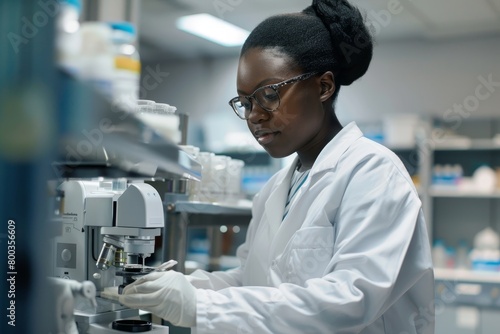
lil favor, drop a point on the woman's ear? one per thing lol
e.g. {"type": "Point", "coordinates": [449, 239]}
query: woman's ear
{"type": "Point", "coordinates": [327, 84]}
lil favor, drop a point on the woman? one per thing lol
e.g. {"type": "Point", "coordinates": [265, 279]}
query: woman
{"type": "Point", "coordinates": [337, 241]}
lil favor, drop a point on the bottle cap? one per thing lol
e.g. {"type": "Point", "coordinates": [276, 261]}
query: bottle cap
{"type": "Point", "coordinates": [123, 26]}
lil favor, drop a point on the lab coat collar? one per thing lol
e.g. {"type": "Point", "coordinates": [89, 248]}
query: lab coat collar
{"type": "Point", "coordinates": [327, 159]}
{"type": "Point", "coordinates": [275, 204]}
{"type": "Point", "coordinates": [331, 153]}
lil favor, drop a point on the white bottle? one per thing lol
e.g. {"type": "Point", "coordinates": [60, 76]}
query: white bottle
{"type": "Point", "coordinates": [97, 57]}
{"type": "Point", "coordinates": [484, 179]}
{"type": "Point", "coordinates": [486, 252]}
{"type": "Point", "coordinates": [68, 39]}
{"type": "Point", "coordinates": [439, 254]}
{"type": "Point", "coordinates": [462, 261]}
{"type": "Point", "coordinates": [127, 65]}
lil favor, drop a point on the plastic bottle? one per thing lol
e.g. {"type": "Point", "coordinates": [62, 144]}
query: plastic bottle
{"type": "Point", "coordinates": [486, 252]}
{"type": "Point", "coordinates": [127, 65]}
{"type": "Point", "coordinates": [439, 254]}
{"type": "Point", "coordinates": [484, 179]}
{"type": "Point", "coordinates": [462, 256]}
{"type": "Point", "coordinates": [97, 57]}
{"type": "Point", "coordinates": [437, 175]}
{"type": "Point", "coordinates": [487, 239]}
{"type": "Point", "coordinates": [68, 38]}
{"type": "Point", "coordinates": [458, 173]}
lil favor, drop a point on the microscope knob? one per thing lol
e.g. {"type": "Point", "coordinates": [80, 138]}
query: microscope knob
{"type": "Point", "coordinates": [66, 255]}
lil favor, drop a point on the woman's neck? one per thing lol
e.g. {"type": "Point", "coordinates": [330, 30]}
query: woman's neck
{"type": "Point", "coordinates": [308, 157]}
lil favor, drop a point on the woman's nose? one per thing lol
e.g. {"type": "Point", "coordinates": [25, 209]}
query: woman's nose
{"type": "Point", "coordinates": [258, 114]}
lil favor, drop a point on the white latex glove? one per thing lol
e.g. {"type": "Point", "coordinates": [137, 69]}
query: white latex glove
{"type": "Point", "coordinates": [199, 280]}
{"type": "Point", "coordinates": [168, 295]}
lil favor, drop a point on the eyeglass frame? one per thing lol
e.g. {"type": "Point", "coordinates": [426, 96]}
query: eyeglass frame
{"type": "Point", "coordinates": [275, 87]}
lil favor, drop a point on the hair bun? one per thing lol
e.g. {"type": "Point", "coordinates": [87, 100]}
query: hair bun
{"type": "Point", "coordinates": [351, 40]}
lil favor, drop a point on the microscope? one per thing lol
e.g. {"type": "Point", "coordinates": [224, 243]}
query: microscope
{"type": "Point", "coordinates": [109, 230]}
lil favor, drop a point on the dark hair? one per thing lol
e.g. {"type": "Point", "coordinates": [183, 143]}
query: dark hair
{"type": "Point", "coordinates": [326, 36]}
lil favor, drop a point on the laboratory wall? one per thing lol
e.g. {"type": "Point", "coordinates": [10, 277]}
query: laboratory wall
{"type": "Point", "coordinates": [428, 77]}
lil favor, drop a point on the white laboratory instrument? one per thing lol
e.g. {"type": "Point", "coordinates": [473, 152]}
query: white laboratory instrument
{"type": "Point", "coordinates": [109, 230]}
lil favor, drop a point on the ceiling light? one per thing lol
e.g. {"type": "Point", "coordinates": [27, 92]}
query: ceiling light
{"type": "Point", "coordinates": [213, 29]}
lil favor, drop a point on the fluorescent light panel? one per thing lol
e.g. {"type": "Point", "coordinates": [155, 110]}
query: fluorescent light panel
{"type": "Point", "coordinates": [213, 29]}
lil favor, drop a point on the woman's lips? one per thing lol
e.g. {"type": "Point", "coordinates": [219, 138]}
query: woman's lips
{"type": "Point", "coordinates": [266, 138]}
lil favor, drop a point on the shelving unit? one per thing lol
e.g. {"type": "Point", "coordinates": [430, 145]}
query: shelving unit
{"type": "Point", "coordinates": [183, 214]}
{"type": "Point", "coordinates": [456, 213]}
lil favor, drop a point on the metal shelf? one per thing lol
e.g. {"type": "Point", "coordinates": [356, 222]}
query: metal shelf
{"type": "Point", "coordinates": [183, 214]}
{"type": "Point", "coordinates": [210, 208]}
{"type": "Point", "coordinates": [101, 139]}
{"type": "Point", "coordinates": [465, 287]}
{"type": "Point", "coordinates": [466, 144]}
{"type": "Point", "coordinates": [462, 194]}
{"type": "Point", "coordinates": [466, 275]}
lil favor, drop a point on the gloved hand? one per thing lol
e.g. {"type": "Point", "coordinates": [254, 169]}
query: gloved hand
{"type": "Point", "coordinates": [167, 294]}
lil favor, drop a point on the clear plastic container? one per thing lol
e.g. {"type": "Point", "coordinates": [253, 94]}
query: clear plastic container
{"type": "Point", "coordinates": [204, 195]}
{"type": "Point", "coordinates": [127, 65]}
{"type": "Point", "coordinates": [160, 117]}
{"type": "Point", "coordinates": [235, 180]}
{"type": "Point", "coordinates": [193, 187]}
{"type": "Point", "coordinates": [219, 178]}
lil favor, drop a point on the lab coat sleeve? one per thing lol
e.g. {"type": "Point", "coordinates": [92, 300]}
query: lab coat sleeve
{"type": "Point", "coordinates": [375, 225]}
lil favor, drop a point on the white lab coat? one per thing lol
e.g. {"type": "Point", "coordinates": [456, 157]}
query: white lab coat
{"type": "Point", "coordinates": [351, 256]}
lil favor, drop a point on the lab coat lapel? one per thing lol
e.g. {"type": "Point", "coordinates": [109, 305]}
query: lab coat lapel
{"type": "Point", "coordinates": [288, 227]}
{"type": "Point", "coordinates": [275, 204]}
{"type": "Point", "coordinates": [275, 208]}
{"type": "Point", "coordinates": [326, 160]}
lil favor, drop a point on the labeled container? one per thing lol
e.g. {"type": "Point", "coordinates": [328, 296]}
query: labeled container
{"type": "Point", "coordinates": [127, 65]}
{"type": "Point", "coordinates": [97, 57]}
{"type": "Point", "coordinates": [486, 253]}
{"type": "Point", "coordinates": [68, 36]}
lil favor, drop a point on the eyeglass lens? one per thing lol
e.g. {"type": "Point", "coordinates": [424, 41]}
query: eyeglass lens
{"type": "Point", "coordinates": [266, 97]}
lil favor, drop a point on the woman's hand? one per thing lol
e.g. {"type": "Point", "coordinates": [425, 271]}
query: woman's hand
{"type": "Point", "coordinates": [168, 295]}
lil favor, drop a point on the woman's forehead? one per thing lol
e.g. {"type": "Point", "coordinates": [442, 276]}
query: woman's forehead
{"type": "Point", "coordinates": [257, 65]}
